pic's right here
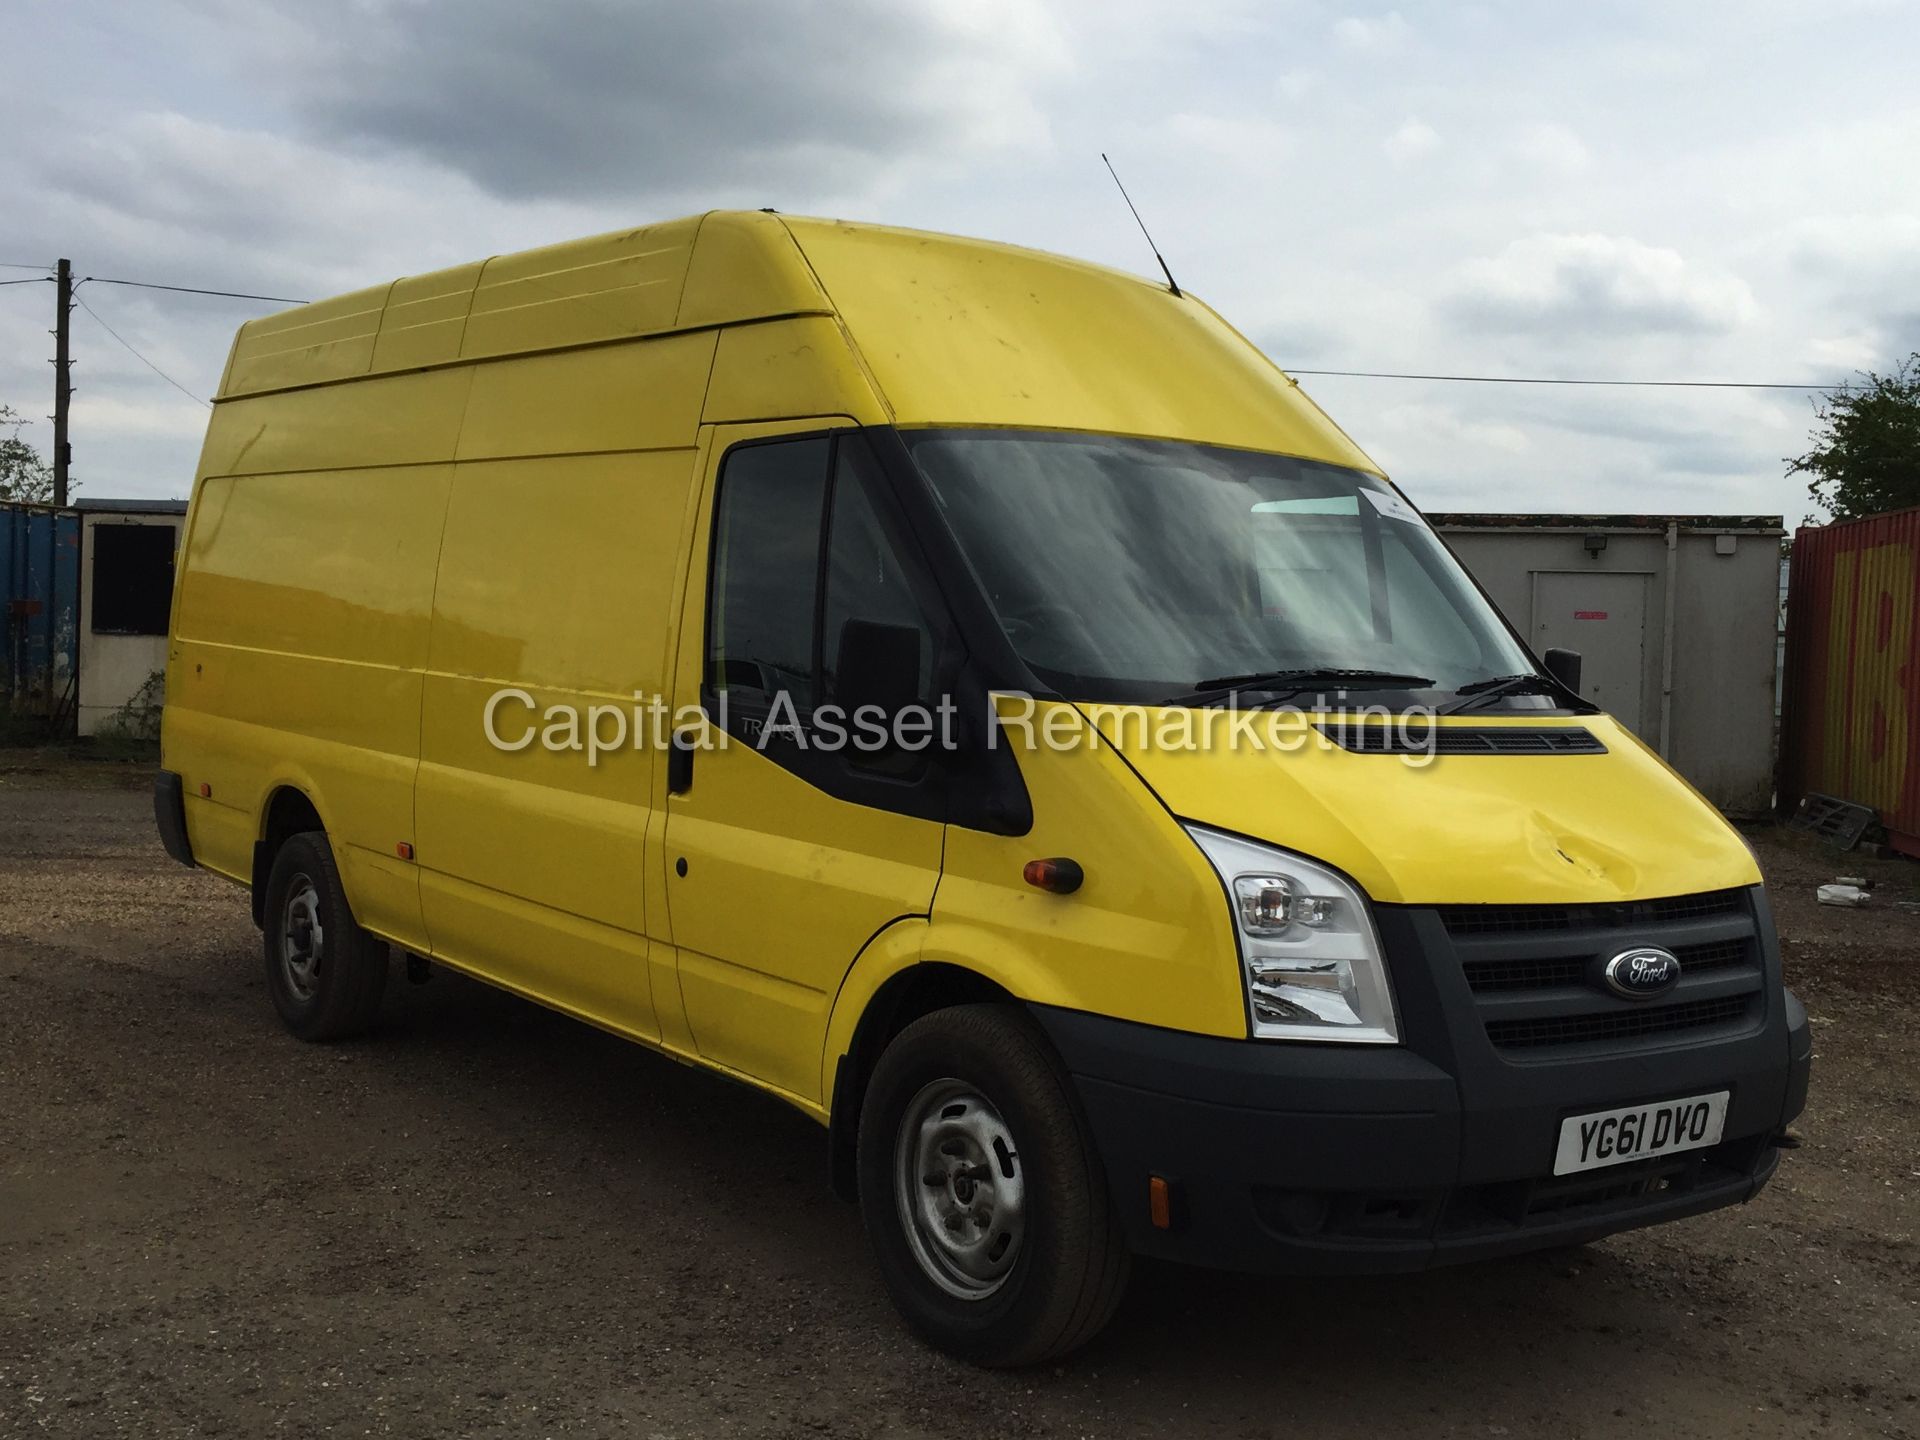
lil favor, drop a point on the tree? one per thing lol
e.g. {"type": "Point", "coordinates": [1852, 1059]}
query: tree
{"type": "Point", "coordinates": [1866, 445]}
{"type": "Point", "coordinates": [23, 474]}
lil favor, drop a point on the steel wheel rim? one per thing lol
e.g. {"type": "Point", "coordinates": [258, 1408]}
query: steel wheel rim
{"type": "Point", "coordinates": [960, 1189]}
{"type": "Point", "coordinates": [303, 940]}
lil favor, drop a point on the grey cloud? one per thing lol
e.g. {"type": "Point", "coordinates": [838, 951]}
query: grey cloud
{"type": "Point", "coordinates": [1300, 342]}
{"type": "Point", "coordinates": [1602, 285]}
{"type": "Point", "coordinates": [1709, 455]}
{"type": "Point", "coordinates": [1464, 446]}
{"type": "Point", "coordinates": [1649, 416]}
{"type": "Point", "coordinates": [1679, 437]}
{"type": "Point", "coordinates": [1902, 330]}
{"type": "Point", "coordinates": [580, 98]}
{"type": "Point", "coordinates": [303, 149]}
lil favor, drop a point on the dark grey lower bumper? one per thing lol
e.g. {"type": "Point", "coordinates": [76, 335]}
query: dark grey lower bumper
{"type": "Point", "coordinates": [170, 815]}
{"type": "Point", "coordinates": [1322, 1158]}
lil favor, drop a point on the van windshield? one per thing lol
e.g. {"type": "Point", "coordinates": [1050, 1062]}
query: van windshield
{"type": "Point", "coordinates": [1140, 570]}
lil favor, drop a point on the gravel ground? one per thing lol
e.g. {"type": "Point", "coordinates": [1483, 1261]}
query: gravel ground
{"type": "Point", "coordinates": [491, 1221]}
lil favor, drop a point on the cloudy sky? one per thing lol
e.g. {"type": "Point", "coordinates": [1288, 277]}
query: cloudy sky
{"type": "Point", "coordinates": [1676, 189]}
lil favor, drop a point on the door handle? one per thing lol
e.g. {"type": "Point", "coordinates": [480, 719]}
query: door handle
{"type": "Point", "coordinates": [680, 763]}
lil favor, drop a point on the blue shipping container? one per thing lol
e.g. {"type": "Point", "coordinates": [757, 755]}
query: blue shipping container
{"type": "Point", "coordinates": [39, 606]}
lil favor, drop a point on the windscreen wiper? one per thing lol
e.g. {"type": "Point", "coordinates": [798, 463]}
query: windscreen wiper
{"type": "Point", "coordinates": [1285, 683]}
{"type": "Point", "coordinates": [1483, 692]}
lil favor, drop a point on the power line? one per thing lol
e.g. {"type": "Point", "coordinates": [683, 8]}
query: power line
{"type": "Point", "coordinates": [193, 290]}
{"type": "Point", "coordinates": [30, 280]}
{"type": "Point", "coordinates": [16, 265]}
{"type": "Point", "coordinates": [1342, 374]}
{"type": "Point", "coordinates": [137, 355]}
{"type": "Point", "coordinates": [1541, 380]}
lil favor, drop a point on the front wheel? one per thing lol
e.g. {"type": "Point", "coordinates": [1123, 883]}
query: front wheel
{"type": "Point", "coordinates": [982, 1195]}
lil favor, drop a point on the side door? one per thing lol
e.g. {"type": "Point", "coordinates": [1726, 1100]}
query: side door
{"type": "Point", "coordinates": [1603, 615]}
{"type": "Point", "coordinates": [784, 852]}
{"type": "Point", "coordinates": [555, 586]}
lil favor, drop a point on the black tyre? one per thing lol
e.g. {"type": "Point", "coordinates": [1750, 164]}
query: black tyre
{"type": "Point", "coordinates": [325, 973]}
{"type": "Point", "coordinates": [985, 1203]}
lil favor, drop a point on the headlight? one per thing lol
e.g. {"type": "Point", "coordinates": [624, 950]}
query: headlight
{"type": "Point", "coordinates": [1308, 949]}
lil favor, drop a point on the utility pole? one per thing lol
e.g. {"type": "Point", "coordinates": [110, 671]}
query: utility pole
{"type": "Point", "coordinates": [62, 378]}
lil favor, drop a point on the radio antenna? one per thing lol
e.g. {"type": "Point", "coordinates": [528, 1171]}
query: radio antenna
{"type": "Point", "coordinates": [1172, 284]}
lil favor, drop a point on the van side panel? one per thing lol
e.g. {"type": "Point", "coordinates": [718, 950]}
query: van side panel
{"type": "Point", "coordinates": [385, 420]}
{"type": "Point", "coordinates": [301, 627]}
{"type": "Point", "coordinates": [556, 580]}
{"type": "Point", "coordinates": [642, 396]}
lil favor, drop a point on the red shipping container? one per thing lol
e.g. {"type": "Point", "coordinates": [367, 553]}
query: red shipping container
{"type": "Point", "coordinates": [1851, 711]}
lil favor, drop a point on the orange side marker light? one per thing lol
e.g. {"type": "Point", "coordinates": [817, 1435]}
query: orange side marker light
{"type": "Point", "coordinates": [1159, 1202]}
{"type": "Point", "coordinates": [1057, 876]}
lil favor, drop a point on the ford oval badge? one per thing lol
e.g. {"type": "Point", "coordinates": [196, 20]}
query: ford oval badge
{"type": "Point", "coordinates": [1642, 973]}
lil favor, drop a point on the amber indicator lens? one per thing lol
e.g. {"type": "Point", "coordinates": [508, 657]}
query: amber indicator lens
{"type": "Point", "coordinates": [1058, 876]}
{"type": "Point", "coordinates": [1159, 1202]}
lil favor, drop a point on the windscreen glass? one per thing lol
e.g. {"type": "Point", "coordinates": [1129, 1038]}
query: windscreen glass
{"type": "Point", "coordinates": [1141, 569]}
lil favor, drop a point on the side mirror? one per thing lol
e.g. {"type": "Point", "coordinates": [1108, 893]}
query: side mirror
{"type": "Point", "coordinates": [1564, 666]}
{"type": "Point", "coordinates": [878, 665]}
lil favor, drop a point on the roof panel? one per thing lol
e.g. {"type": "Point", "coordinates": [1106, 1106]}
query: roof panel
{"type": "Point", "coordinates": [969, 332]}
{"type": "Point", "coordinates": [609, 287]}
{"type": "Point", "coordinates": [950, 331]}
{"type": "Point", "coordinates": [425, 319]}
{"type": "Point", "coordinates": [327, 340]}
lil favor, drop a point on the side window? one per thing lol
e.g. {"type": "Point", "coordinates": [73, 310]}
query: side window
{"type": "Point", "coordinates": [132, 579]}
{"type": "Point", "coordinates": [865, 579]}
{"type": "Point", "coordinates": [766, 575]}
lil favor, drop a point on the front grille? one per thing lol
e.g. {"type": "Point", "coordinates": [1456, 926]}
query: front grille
{"type": "Point", "coordinates": [1529, 973]}
{"type": "Point", "coordinates": [1504, 919]}
{"type": "Point", "coordinates": [1485, 975]}
{"type": "Point", "coordinates": [1365, 739]}
{"type": "Point", "coordinates": [1617, 1025]}
{"type": "Point", "coordinates": [1693, 907]}
{"type": "Point", "coordinates": [1713, 955]}
{"type": "Point", "coordinates": [1512, 919]}
{"type": "Point", "coordinates": [1536, 972]}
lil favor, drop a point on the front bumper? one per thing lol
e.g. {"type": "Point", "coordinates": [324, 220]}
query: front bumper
{"type": "Point", "coordinates": [1298, 1158]}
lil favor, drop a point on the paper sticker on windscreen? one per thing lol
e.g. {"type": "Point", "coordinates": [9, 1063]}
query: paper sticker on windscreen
{"type": "Point", "coordinates": [1392, 506]}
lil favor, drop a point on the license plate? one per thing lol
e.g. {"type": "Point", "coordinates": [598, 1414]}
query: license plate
{"type": "Point", "coordinates": [1639, 1132]}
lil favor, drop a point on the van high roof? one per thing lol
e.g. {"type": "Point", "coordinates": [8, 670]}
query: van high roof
{"type": "Point", "coordinates": [945, 330]}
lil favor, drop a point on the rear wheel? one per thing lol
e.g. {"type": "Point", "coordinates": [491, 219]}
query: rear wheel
{"type": "Point", "coordinates": [326, 975]}
{"type": "Point", "coordinates": [984, 1201]}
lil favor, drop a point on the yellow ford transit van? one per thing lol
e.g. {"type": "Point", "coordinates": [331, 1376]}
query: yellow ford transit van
{"type": "Point", "coordinates": [976, 698]}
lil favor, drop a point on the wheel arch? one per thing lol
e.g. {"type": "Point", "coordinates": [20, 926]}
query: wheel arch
{"type": "Point", "coordinates": [917, 988]}
{"type": "Point", "coordinates": [288, 810]}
